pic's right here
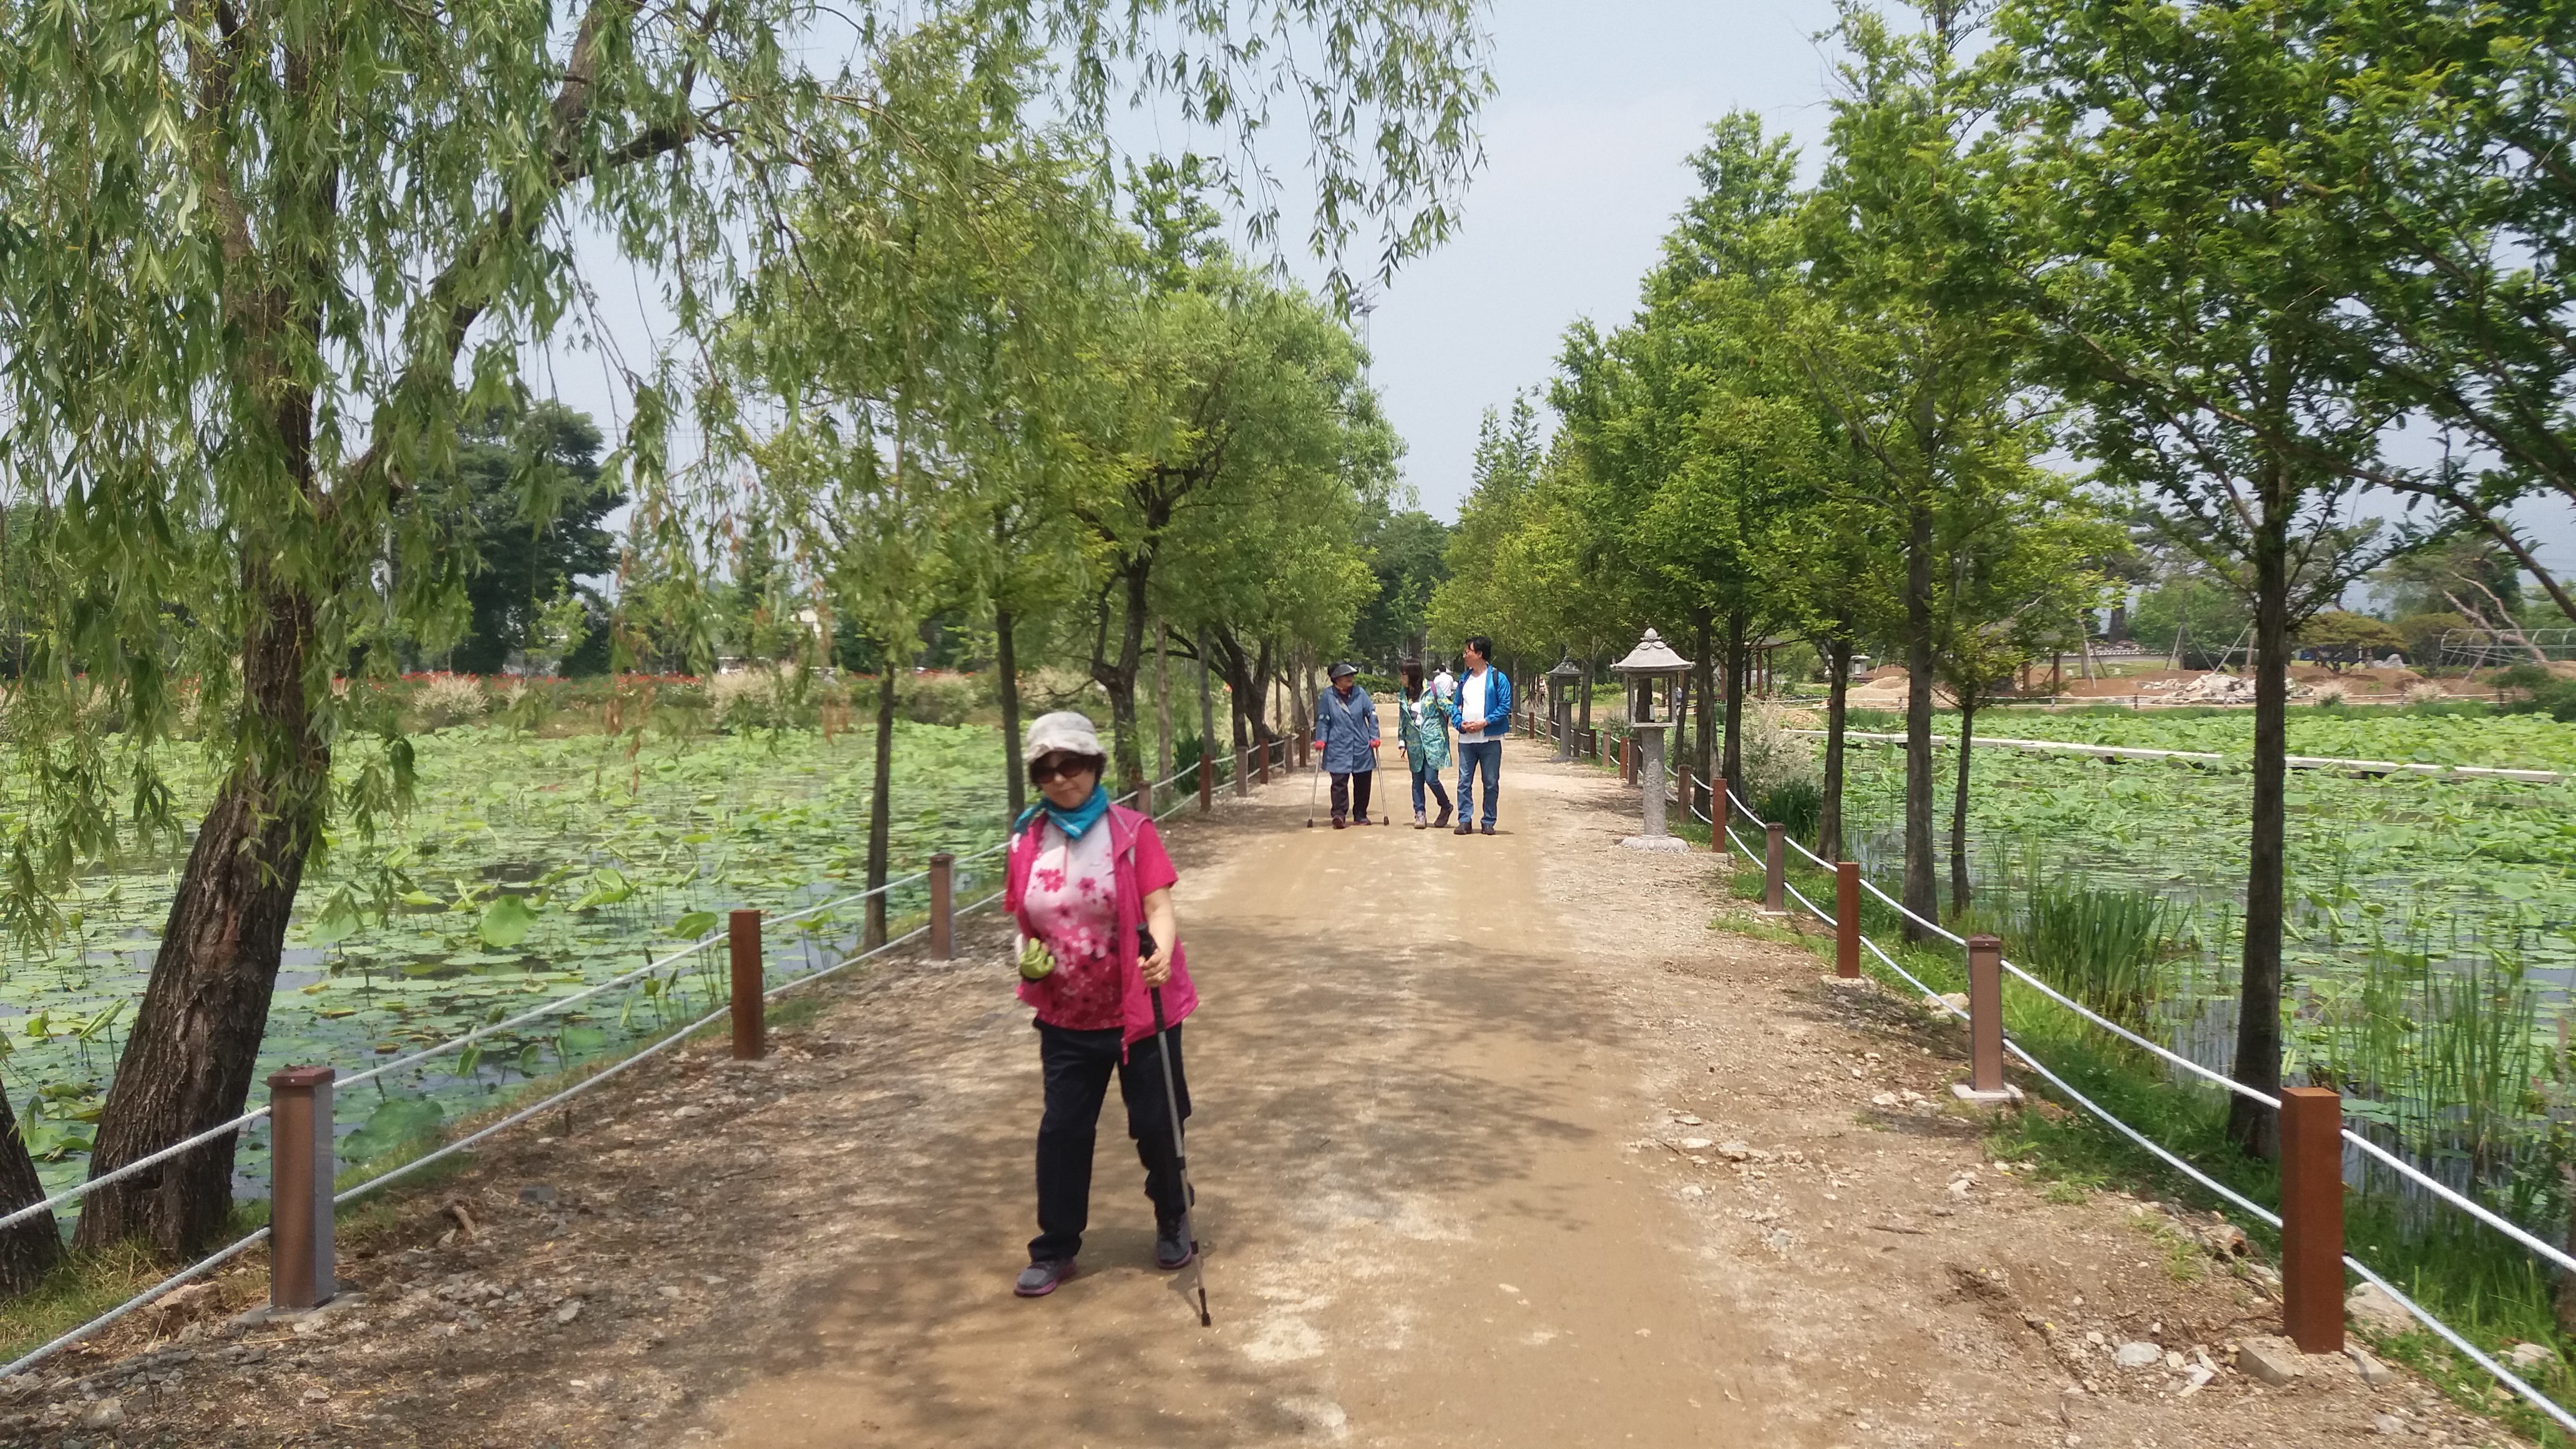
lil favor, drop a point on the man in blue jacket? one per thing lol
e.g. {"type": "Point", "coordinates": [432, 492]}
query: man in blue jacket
{"type": "Point", "coordinates": [1483, 710]}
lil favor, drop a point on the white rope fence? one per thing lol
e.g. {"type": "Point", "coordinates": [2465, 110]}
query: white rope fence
{"type": "Point", "coordinates": [2554, 1255]}
{"type": "Point", "coordinates": [667, 1042]}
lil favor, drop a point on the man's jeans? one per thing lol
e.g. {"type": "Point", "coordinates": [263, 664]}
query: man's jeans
{"type": "Point", "coordinates": [1077, 1065]}
{"type": "Point", "coordinates": [1474, 755]}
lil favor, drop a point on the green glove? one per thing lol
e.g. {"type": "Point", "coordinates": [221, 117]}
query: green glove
{"type": "Point", "coordinates": [1037, 963]}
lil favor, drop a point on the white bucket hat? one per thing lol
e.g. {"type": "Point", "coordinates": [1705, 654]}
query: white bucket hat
{"type": "Point", "coordinates": [1065, 730]}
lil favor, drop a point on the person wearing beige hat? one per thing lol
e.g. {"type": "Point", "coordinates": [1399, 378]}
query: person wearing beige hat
{"type": "Point", "coordinates": [1091, 888]}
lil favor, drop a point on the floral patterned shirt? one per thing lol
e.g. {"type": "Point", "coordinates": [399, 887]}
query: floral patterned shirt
{"type": "Point", "coordinates": [1072, 900]}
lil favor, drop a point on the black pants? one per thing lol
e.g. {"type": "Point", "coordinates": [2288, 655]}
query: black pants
{"type": "Point", "coordinates": [1350, 794]}
{"type": "Point", "coordinates": [1077, 1066]}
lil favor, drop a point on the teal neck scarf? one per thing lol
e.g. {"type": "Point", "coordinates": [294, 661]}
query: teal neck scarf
{"type": "Point", "coordinates": [1072, 822]}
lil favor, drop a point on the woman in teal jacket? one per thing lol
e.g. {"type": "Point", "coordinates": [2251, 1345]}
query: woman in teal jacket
{"type": "Point", "coordinates": [1424, 720]}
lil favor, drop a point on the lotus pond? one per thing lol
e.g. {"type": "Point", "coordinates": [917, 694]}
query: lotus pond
{"type": "Point", "coordinates": [528, 868]}
{"type": "Point", "coordinates": [2432, 940]}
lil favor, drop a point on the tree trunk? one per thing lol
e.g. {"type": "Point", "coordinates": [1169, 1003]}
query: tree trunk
{"type": "Point", "coordinates": [1117, 675]}
{"type": "Point", "coordinates": [1584, 705]}
{"type": "Point", "coordinates": [1007, 687]}
{"type": "Point", "coordinates": [2250, 1124]}
{"type": "Point", "coordinates": [1920, 895]}
{"type": "Point", "coordinates": [1959, 810]}
{"type": "Point", "coordinates": [31, 1249]}
{"type": "Point", "coordinates": [1704, 735]}
{"type": "Point", "coordinates": [1207, 714]}
{"type": "Point", "coordinates": [188, 1062]}
{"type": "Point", "coordinates": [881, 804]}
{"type": "Point", "coordinates": [1162, 705]}
{"type": "Point", "coordinates": [1732, 764]}
{"type": "Point", "coordinates": [1829, 824]}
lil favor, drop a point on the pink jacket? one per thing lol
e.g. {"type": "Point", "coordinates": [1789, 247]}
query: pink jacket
{"type": "Point", "coordinates": [1143, 867]}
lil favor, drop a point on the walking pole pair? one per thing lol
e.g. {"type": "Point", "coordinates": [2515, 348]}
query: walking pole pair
{"type": "Point", "coordinates": [1180, 1144]}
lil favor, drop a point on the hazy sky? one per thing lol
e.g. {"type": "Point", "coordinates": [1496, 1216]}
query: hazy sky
{"type": "Point", "coordinates": [1598, 107]}
{"type": "Point", "coordinates": [1586, 146]}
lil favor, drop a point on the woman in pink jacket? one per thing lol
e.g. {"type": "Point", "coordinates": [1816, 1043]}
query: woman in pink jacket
{"type": "Point", "coordinates": [1084, 875]}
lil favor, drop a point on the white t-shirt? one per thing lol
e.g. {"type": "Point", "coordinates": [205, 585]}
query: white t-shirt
{"type": "Point", "coordinates": [1471, 707]}
{"type": "Point", "coordinates": [1444, 685]}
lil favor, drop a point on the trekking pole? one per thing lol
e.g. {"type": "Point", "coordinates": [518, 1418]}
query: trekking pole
{"type": "Point", "coordinates": [1316, 775]}
{"type": "Point", "coordinates": [1180, 1144]}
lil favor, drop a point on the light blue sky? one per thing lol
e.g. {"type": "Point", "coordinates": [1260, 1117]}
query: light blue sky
{"type": "Point", "coordinates": [1600, 104]}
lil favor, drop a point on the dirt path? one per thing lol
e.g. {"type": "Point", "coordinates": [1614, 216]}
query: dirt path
{"type": "Point", "coordinates": [1498, 1143]}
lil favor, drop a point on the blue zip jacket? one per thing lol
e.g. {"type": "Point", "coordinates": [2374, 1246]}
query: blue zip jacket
{"type": "Point", "coordinates": [1346, 731]}
{"type": "Point", "coordinates": [1498, 707]}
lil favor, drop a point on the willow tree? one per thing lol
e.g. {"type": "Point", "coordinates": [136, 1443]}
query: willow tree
{"type": "Point", "coordinates": [262, 259]}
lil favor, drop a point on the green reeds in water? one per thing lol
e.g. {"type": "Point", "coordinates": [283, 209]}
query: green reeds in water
{"type": "Point", "coordinates": [2100, 945]}
{"type": "Point", "coordinates": [1799, 805]}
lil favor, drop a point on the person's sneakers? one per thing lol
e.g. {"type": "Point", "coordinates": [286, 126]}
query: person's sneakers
{"type": "Point", "coordinates": [1340, 824]}
{"type": "Point", "coordinates": [1489, 827]}
{"type": "Point", "coordinates": [1420, 820]}
{"type": "Point", "coordinates": [1443, 820]}
{"type": "Point", "coordinates": [1039, 1279]}
{"type": "Point", "coordinates": [1171, 1250]}
{"type": "Point", "coordinates": [1464, 829]}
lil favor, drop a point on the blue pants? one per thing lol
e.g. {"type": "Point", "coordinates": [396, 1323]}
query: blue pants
{"type": "Point", "coordinates": [1474, 755]}
{"type": "Point", "coordinates": [1428, 775]}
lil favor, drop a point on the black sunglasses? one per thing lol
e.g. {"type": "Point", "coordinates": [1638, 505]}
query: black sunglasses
{"type": "Point", "coordinates": [1058, 767]}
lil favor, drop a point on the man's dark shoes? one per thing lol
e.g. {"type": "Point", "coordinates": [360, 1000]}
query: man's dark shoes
{"type": "Point", "coordinates": [1171, 1248]}
{"type": "Point", "coordinates": [1464, 829]}
{"type": "Point", "coordinates": [1039, 1279]}
{"type": "Point", "coordinates": [1340, 824]}
{"type": "Point", "coordinates": [1489, 827]}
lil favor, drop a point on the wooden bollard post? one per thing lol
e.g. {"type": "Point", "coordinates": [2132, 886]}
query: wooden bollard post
{"type": "Point", "coordinates": [1207, 780]}
{"type": "Point", "coordinates": [2312, 1218]}
{"type": "Point", "coordinates": [750, 1012]}
{"type": "Point", "coordinates": [1847, 918]}
{"type": "Point", "coordinates": [1717, 805]}
{"type": "Point", "coordinates": [1985, 1018]}
{"type": "Point", "coordinates": [1265, 765]}
{"type": "Point", "coordinates": [1775, 868]}
{"type": "Point", "coordinates": [301, 1166]}
{"type": "Point", "coordinates": [1242, 781]}
{"type": "Point", "coordinates": [943, 907]}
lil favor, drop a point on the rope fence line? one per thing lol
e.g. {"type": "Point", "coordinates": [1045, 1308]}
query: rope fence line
{"type": "Point", "coordinates": [2550, 1407]}
{"type": "Point", "coordinates": [670, 1040]}
{"type": "Point", "coordinates": [550, 1007]}
{"type": "Point", "coordinates": [2196, 757]}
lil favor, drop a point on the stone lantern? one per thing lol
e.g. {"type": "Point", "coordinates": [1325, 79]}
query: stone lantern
{"type": "Point", "coordinates": [1646, 667]}
{"type": "Point", "coordinates": [1561, 683]}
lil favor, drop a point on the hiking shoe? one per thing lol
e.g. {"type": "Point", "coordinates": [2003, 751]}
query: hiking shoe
{"type": "Point", "coordinates": [1443, 820]}
{"type": "Point", "coordinates": [1489, 827]}
{"type": "Point", "coordinates": [1340, 824]}
{"type": "Point", "coordinates": [1464, 829]}
{"type": "Point", "coordinates": [1420, 820]}
{"type": "Point", "coordinates": [1171, 1250]}
{"type": "Point", "coordinates": [1039, 1279]}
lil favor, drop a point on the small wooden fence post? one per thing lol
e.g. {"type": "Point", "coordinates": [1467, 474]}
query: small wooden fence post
{"type": "Point", "coordinates": [1775, 868]}
{"type": "Point", "coordinates": [1717, 803]}
{"type": "Point", "coordinates": [2312, 1218]}
{"type": "Point", "coordinates": [1207, 779]}
{"type": "Point", "coordinates": [1986, 1015]}
{"type": "Point", "coordinates": [943, 907]}
{"type": "Point", "coordinates": [750, 1012]}
{"type": "Point", "coordinates": [1265, 764]}
{"type": "Point", "coordinates": [1242, 781]}
{"type": "Point", "coordinates": [1847, 918]}
{"type": "Point", "coordinates": [301, 1166]}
